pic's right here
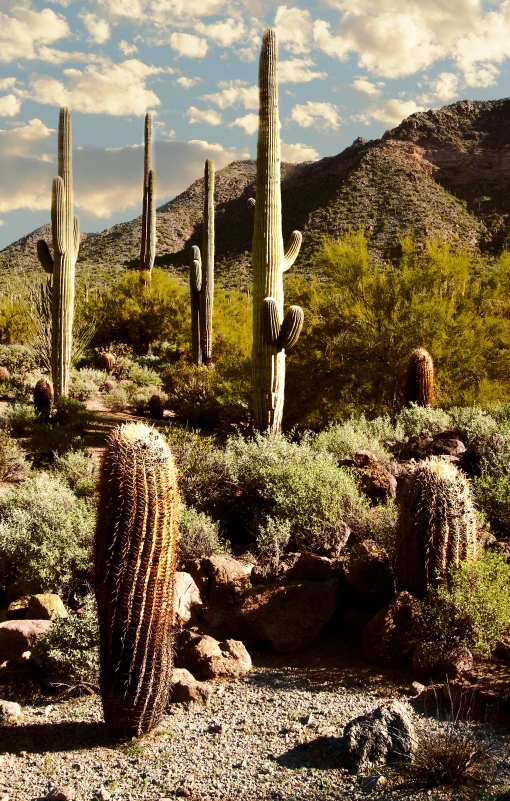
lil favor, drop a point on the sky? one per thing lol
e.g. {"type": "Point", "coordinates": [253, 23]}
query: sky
{"type": "Point", "coordinates": [348, 68]}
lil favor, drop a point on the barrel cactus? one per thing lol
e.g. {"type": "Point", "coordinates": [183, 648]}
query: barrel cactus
{"type": "Point", "coordinates": [202, 278]}
{"type": "Point", "coordinates": [107, 362]}
{"type": "Point", "coordinates": [272, 333]}
{"type": "Point", "coordinates": [61, 266]}
{"type": "Point", "coordinates": [4, 374]}
{"type": "Point", "coordinates": [148, 240]}
{"type": "Point", "coordinates": [156, 407]}
{"type": "Point", "coordinates": [135, 552]}
{"type": "Point", "coordinates": [419, 387]}
{"type": "Point", "coordinates": [43, 396]}
{"type": "Point", "coordinates": [437, 526]}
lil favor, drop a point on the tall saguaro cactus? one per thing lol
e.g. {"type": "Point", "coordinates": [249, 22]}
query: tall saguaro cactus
{"type": "Point", "coordinates": [135, 551]}
{"type": "Point", "coordinates": [66, 242]}
{"type": "Point", "coordinates": [148, 241]}
{"type": "Point", "coordinates": [272, 334]}
{"type": "Point", "coordinates": [202, 278]}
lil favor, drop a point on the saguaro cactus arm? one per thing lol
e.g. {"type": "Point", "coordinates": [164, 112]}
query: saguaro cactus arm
{"type": "Point", "coordinates": [292, 249]}
{"type": "Point", "coordinates": [291, 327]}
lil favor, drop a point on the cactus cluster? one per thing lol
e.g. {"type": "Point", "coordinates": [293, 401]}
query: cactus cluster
{"type": "Point", "coordinates": [148, 240]}
{"type": "Point", "coordinates": [437, 526]}
{"type": "Point", "coordinates": [419, 386]}
{"type": "Point", "coordinates": [201, 278]}
{"type": "Point", "coordinates": [61, 266]}
{"type": "Point", "coordinates": [272, 333]}
{"type": "Point", "coordinates": [135, 552]}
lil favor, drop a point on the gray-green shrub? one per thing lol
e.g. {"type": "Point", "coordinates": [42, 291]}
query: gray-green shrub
{"type": "Point", "coordinates": [13, 465]}
{"type": "Point", "coordinates": [198, 535]}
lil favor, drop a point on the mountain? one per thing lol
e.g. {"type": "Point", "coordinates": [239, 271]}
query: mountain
{"type": "Point", "coordinates": [443, 172]}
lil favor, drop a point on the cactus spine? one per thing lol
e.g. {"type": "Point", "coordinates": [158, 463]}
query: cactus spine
{"type": "Point", "coordinates": [66, 242]}
{"type": "Point", "coordinates": [148, 241]}
{"type": "Point", "coordinates": [135, 550]}
{"type": "Point", "coordinates": [420, 378]}
{"type": "Point", "coordinates": [436, 526]}
{"type": "Point", "coordinates": [202, 278]}
{"type": "Point", "coordinates": [269, 258]}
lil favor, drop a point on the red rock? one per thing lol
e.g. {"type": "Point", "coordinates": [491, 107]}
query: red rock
{"type": "Point", "coordinates": [185, 689]}
{"type": "Point", "coordinates": [369, 575]}
{"type": "Point", "coordinates": [311, 567]}
{"type": "Point", "coordinates": [206, 658]}
{"type": "Point", "coordinates": [18, 636]}
{"type": "Point", "coordinates": [391, 636]}
{"type": "Point", "coordinates": [227, 576]}
{"type": "Point", "coordinates": [187, 599]}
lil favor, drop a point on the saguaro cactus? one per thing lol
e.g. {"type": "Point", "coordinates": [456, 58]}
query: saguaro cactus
{"type": "Point", "coordinates": [66, 242]}
{"type": "Point", "coordinates": [135, 550]}
{"type": "Point", "coordinates": [436, 526]}
{"type": "Point", "coordinates": [420, 378]}
{"type": "Point", "coordinates": [272, 334]}
{"type": "Point", "coordinates": [202, 278]}
{"type": "Point", "coordinates": [148, 242]}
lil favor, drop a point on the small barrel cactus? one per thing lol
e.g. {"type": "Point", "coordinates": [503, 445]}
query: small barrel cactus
{"type": "Point", "coordinates": [135, 552]}
{"type": "Point", "coordinates": [437, 526]}
{"type": "Point", "coordinates": [109, 386]}
{"type": "Point", "coordinates": [107, 362]}
{"type": "Point", "coordinates": [419, 387]}
{"type": "Point", "coordinates": [43, 396]}
{"type": "Point", "coordinates": [156, 407]}
{"type": "Point", "coordinates": [4, 374]}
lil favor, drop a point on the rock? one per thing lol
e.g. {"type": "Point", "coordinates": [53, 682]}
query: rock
{"type": "Point", "coordinates": [354, 621]}
{"type": "Point", "coordinates": [274, 572]}
{"type": "Point", "coordinates": [199, 576]}
{"type": "Point", "coordinates": [391, 636]}
{"type": "Point", "coordinates": [9, 709]}
{"type": "Point", "coordinates": [46, 606]}
{"type": "Point", "coordinates": [443, 662]}
{"type": "Point", "coordinates": [385, 735]}
{"type": "Point", "coordinates": [185, 689]}
{"type": "Point", "coordinates": [311, 567]}
{"type": "Point", "coordinates": [18, 636]}
{"type": "Point", "coordinates": [227, 576]}
{"type": "Point", "coordinates": [187, 599]}
{"type": "Point", "coordinates": [447, 444]}
{"type": "Point", "coordinates": [369, 575]}
{"type": "Point", "coordinates": [61, 794]}
{"type": "Point", "coordinates": [19, 588]}
{"type": "Point", "coordinates": [373, 782]}
{"type": "Point", "coordinates": [206, 658]}
{"type": "Point", "coordinates": [17, 609]}
{"type": "Point", "coordinates": [377, 482]}
{"type": "Point", "coordinates": [502, 649]}
{"type": "Point", "coordinates": [288, 617]}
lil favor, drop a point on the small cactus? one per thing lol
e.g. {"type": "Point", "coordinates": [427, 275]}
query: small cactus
{"type": "Point", "coordinates": [156, 407]}
{"type": "Point", "coordinates": [43, 396]}
{"type": "Point", "coordinates": [109, 385]}
{"type": "Point", "coordinates": [4, 374]}
{"type": "Point", "coordinates": [107, 362]}
{"type": "Point", "coordinates": [419, 387]}
{"type": "Point", "coordinates": [437, 526]}
{"type": "Point", "coordinates": [135, 552]}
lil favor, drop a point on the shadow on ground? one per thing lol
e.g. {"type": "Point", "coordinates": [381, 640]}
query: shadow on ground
{"type": "Point", "coordinates": [322, 753]}
{"type": "Point", "coordinates": [41, 738]}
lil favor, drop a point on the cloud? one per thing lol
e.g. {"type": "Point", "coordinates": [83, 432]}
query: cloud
{"type": "Point", "coordinates": [296, 70]}
{"type": "Point", "coordinates": [21, 33]}
{"type": "Point", "coordinates": [295, 154]}
{"type": "Point", "coordinates": [126, 48]}
{"type": "Point", "coordinates": [9, 106]}
{"type": "Point", "coordinates": [116, 89]}
{"type": "Point", "coordinates": [249, 123]}
{"type": "Point", "coordinates": [391, 111]}
{"type": "Point", "coordinates": [188, 83]}
{"type": "Point", "coordinates": [7, 83]}
{"type": "Point", "coordinates": [321, 115]}
{"type": "Point", "coordinates": [335, 46]}
{"type": "Point", "coordinates": [366, 87]}
{"type": "Point", "coordinates": [224, 33]}
{"type": "Point", "coordinates": [185, 44]}
{"type": "Point", "coordinates": [27, 139]}
{"type": "Point", "coordinates": [208, 116]}
{"type": "Point", "coordinates": [234, 93]}
{"type": "Point", "coordinates": [294, 28]}
{"type": "Point", "coordinates": [97, 28]}
{"type": "Point", "coordinates": [445, 86]}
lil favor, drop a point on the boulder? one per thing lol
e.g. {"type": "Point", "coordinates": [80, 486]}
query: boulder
{"type": "Point", "coordinates": [46, 606]}
{"type": "Point", "coordinates": [311, 567]}
{"type": "Point", "coordinates": [353, 623]}
{"type": "Point", "coordinates": [369, 575]}
{"type": "Point", "coordinates": [384, 735]}
{"type": "Point", "coordinates": [502, 650]}
{"type": "Point", "coordinates": [377, 482]}
{"type": "Point", "coordinates": [185, 689]}
{"type": "Point", "coordinates": [390, 638]}
{"type": "Point", "coordinates": [199, 576]}
{"type": "Point", "coordinates": [187, 599]}
{"type": "Point", "coordinates": [288, 617]}
{"type": "Point", "coordinates": [9, 709]}
{"type": "Point", "coordinates": [447, 443]}
{"type": "Point", "coordinates": [228, 577]}
{"type": "Point", "coordinates": [274, 572]}
{"type": "Point", "coordinates": [17, 609]}
{"type": "Point", "coordinates": [206, 658]}
{"type": "Point", "coordinates": [18, 636]}
{"type": "Point", "coordinates": [443, 662]}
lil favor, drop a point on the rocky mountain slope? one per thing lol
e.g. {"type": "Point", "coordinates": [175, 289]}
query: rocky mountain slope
{"type": "Point", "coordinates": [442, 173]}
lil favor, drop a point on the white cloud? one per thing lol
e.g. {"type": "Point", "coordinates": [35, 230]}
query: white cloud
{"type": "Point", "coordinates": [297, 70]}
{"type": "Point", "coordinates": [294, 28]}
{"type": "Point", "coordinates": [295, 154]}
{"type": "Point", "coordinates": [207, 116]}
{"type": "Point", "coordinates": [21, 33]}
{"type": "Point", "coordinates": [126, 48]}
{"type": "Point", "coordinates": [121, 11]}
{"type": "Point", "coordinates": [249, 123]}
{"type": "Point", "coordinates": [188, 83]}
{"type": "Point", "coordinates": [185, 44]}
{"type": "Point", "coordinates": [9, 106]}
{"type": "Point", "coordinates": [234, 93]}
{"type": "Point", "coordinates": [51, 55]}
{"type": "Point", "coordinates": [224, 33]}
{"type": "Point", "coordinates": [366, 87]}
{"type": "Point", "coordinates": [7, 83]}
{"type": "Point", "coordinates": [445, 86]}
{"type": "Point", "coordinates": [2, 222]}
{"type": "Point", "coordinates": [97, 28]}
{"type": "Point", "coordinates": [116, 89]}
{"type": "Point", "coordinates": [321, 115]}
{"type": "Point", "coordinates": [391, 111]}
{"type": "Point", "coordinates": [335, 46]}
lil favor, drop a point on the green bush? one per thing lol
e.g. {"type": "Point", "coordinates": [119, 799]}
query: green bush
{"type": "Point", "coordinates": [12, 459]}
{"type": "Point", "coordinates": [272, 539]}
{"type": "Point", "coordinates": [80, 471]}
{"type": "Point", "coordinates": [492, 486]}
{"type": "Point", "coordinates": [425, 421]}
{"type": "Point", "coordinates": [475, 608]}
{"type": "Point", "coordinates": [198, 535]}
{"type": "Point", "coordinates": [21, 386]}
{"type": "Point", "coordinates": [20, 418]}
{"type": "Point", "coordinates": [203, 397]}
{"type": "Point", "coordinates": [118, 399]}
{"type": "Point", "coordinates": [473, 422]}
{"type": "Point", "coordinates": [17, 358]}
{"type": "Point", "coordinates": [46, 534]}
{"type": "Point", "coordinates": [69, 651]}
{"type": "Point", "coordinates": [130, 370]}
{"type": "Point", "coordinates": [85, 383]}
{"type": "Point", "coordinates": [342, 440]}
{"type": "Point", "coordinates": [72, 414]}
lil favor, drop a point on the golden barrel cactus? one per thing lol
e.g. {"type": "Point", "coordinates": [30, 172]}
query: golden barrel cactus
{"type": "Point", "coordinates": [419, 387]}
{"type": "Point", "coordinates": [135, 551]}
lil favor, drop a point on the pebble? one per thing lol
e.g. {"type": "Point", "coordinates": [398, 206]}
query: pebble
{"type": "Point", "coordinates": [9, 709]}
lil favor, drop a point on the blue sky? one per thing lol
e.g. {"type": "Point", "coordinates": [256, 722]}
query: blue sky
{"type": "Point", "coordinates": [348, 68]}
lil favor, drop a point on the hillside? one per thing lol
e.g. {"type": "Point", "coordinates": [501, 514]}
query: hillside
{"type": "Point", "coordinates": [443, 172]}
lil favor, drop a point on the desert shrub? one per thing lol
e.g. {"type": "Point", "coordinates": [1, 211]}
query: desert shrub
{"type": "Point", "coordinates": [203, 397]}
{"type": "Point", "coordinates": [139, 397]}
{"type": "Point", "coordinates": [448, 754]}
{"type": "Point", "coordinates": [21, 385]}
{"type": "Point", "coordinates": [379, 523]}
{"type": "Point", "coordinates": [12, 460]}
{"type": "Point", "coordinates": [416, 421]}
{"type": "Point", "coordinates": [130, 370]}
{"type": "Point", "coordinates": [198, 535]}
{"type": "Point", "coordinates": [475, 608]}
{"type": "Point", "coordinates": [473, 422]}
{"type": "Point", "coordinates": [72, 414]}
{"type": "Point", "coordinates": [20, 418]}
{"type": "Point", "coordinates": [357, 434]}
{"type": "Point", "coordinates": [492, 486]}
{"type": "Point", "coordinates": [69, 651]}
{"type": "Point", "coordinates": [272, 539]}
{"type": "Point", "coordinates": [85, 383]}
{"type": "Point", "coordinates": [80, 471]}
{"type": "Point", "coordinates": [17, 358]}
{"type": "Point", "coordinates": [45, 534]}
{"type": "Point", "coordinates": [118, 399]}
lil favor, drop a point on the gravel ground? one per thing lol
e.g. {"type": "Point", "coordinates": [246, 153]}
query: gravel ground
{"type": "Point", "coordinates": [272, 735]}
